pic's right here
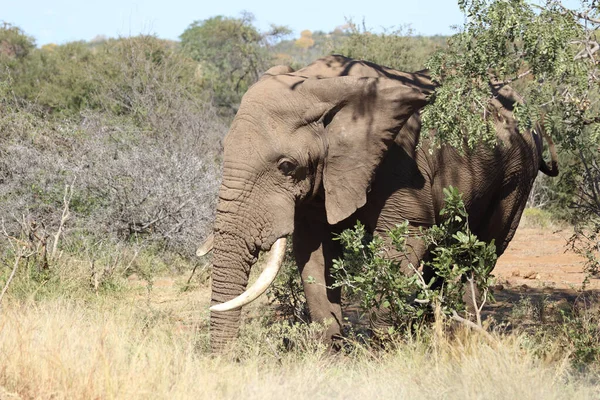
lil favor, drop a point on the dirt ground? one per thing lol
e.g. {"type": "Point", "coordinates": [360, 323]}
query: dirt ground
{"type": "Point", "coordinates": [538, 265]}
{"type": "Point", "coordinates": [539, 258]}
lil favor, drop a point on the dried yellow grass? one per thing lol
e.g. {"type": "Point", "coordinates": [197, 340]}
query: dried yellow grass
{"type": "Point", "coordinates": [59, 349]}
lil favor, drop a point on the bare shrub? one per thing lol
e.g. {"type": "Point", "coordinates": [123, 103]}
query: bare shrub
{"type": "Point", "coordinates": [157, 187]}
{"type": "Point", "coordinates": [146, 160]}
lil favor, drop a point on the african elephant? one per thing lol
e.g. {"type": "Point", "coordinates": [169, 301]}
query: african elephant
{"type": "Point", "coordinates": [311, 152]}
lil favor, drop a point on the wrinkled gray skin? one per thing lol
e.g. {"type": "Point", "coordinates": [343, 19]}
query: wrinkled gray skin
{"type": "Point", "coordinates": [311, 152]}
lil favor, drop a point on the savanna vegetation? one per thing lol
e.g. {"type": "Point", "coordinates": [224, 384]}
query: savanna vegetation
{"type": "Point", "coordinates": [110, 159]}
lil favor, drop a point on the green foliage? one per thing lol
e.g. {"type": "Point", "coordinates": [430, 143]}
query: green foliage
{"type": "Point", "coordinates": [231, 53]}
{"type": "Point", "coordinates": [457, 254]}
{"type": "Point", "coordinates": [581, 330]}
{"type": "Point", "coordinates": [133, 76]}
{"type": "Point", "coordinates": [145, 78]}
{"type": "Point", "coordinates": [394, 47]}
{"type": "Point", "coordinates": [375, 281]}
{"type": "Point", "coordinates": [380, 282]}
{"type": "Point", "coordinates": [58, 77]}
{"type": "Point", "coordinates": [537, 217]}
{"type": "Point", "coordinates": [502, 41]}
{"type": "Point", "coordinates": [548, 52]}
{"type": "Point", "coordinates": [14, 43]}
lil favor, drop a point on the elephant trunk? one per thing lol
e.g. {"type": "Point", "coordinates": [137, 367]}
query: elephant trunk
{"type": "Point", "coordinates": [268, 275]}
{"type": "Point", "coordinates": [242, 227]}
{"type": "Point", "coordinates": [231, 267]}
{"type": "Point", "coordinates": [253, 214]}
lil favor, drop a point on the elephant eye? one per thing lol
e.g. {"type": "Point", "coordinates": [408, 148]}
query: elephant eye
{"type": "Point", "coordinates": [287, 167]}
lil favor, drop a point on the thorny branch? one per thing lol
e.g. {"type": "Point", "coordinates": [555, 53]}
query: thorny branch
{"type": "Point", "coordinates": [591, 47]}
{"type": "Point", "coordinates": [472, 325]}
{"type": "Point", "coordinates": [142, 227]}
{"type": "Point", "coordinates": [18, 257]}
{"type": "Point", "coordinates": [474, 298]}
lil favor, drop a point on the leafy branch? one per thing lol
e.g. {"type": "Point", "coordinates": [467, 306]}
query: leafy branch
{"type": "Point", "coordinates": [399, 290]}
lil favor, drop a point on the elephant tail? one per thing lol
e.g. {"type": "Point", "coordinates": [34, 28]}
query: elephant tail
{"type": "Point", "coordinates": [551, 170]}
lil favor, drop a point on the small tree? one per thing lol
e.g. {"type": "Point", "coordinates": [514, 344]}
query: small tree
{"type": "Point", "coordinates": [232, 54]}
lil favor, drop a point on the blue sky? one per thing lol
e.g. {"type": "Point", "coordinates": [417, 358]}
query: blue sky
{"type": "Point", "coordinates": [60, 21]}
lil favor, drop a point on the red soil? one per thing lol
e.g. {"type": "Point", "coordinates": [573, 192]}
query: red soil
{"type": "Point", "coordinates": [540, 258]}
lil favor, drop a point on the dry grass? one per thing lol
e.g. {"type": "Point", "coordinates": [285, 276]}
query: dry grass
{"type": "Point", "coordinates": [539, 218]}
{"type": "Point", "coordinates": [128, 349]}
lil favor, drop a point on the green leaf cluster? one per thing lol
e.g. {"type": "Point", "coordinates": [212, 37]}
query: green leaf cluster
{"type": "Point", "coordinates": [504, 42]}
{"type": "Point", "coordinates": [379, 282]}
{"type": "Point", "coordinates": [231, 53]}
{"type": "Point", "coordinates": [457, 255]}
{"type": "Point", "coordinates": [551, 55]}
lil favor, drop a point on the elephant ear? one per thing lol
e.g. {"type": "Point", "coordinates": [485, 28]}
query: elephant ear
{"type": "Point", "coordinates": [363, 117]}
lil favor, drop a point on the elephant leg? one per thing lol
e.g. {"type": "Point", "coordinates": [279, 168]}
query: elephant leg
{"type": "Point", "coordinates": [314, 252]}
{"type": "Point", "coordinates": [500, 225]}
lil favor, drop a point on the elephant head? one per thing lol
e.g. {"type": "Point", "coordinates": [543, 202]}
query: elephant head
{"type": "Point", "coordinates": [315, 135]}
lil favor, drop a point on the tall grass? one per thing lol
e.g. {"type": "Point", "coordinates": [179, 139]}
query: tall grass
{"type": "Point", "coordinates": [63, 349]}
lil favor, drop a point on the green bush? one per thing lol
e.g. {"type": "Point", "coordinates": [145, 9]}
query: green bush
{"type": "Point", "coordinates": [537, 217]}
{"type": "Point", "coordinates": [14, 43]}
{"type": "Point", "coordinates": [142, 77]}
{"type": "Point", "coordinates": [395, 47]}
{"type": "Point", "coordinates": [232, 54]}
{"type": "Point", "coordinates": [458, 259]}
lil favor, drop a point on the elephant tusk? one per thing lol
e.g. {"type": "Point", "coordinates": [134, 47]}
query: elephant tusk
{"type": "Point", "coordinates": [206, 247]}
{"type": "Point", "coordinates": [265, 279]}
